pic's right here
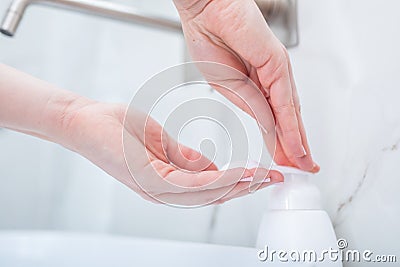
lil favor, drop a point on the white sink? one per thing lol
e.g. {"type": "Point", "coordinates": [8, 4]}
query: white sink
{"type": "Point", "coordinates": [63, 249]}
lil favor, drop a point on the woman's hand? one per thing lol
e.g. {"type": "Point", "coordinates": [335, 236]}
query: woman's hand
{"type": "Point", "coordinates": [160, 169]}
{"type": "Point", "coordinates": [234, 32]}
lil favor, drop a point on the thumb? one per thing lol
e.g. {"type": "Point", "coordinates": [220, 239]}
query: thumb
{"type": "Point", "coordinates": [187, 158]}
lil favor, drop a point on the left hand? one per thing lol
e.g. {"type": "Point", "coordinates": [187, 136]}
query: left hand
{"type": "Point", "coordinates": [167, 171]}
{"type": "Point", "coordinates": [161, 169]}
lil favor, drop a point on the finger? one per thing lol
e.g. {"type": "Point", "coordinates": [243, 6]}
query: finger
{"type": "Point", "coordinates": [283, 107]}
{"type": "Point", "coordinates": [200, 198]}
{"type": "Point", "coordinates": [241, 91]}
{"type": "Point", "coordinates": [186, 158]}
{"type": "Point", "coordinates": [242, 189]}
{"type": "Point", "coordinates": [146, 131]}
{"type": "Point", "coordinates": [212, 196]}
{"type": "Point", "coordinates": [158, 143]}
{"type": "Point", "coordinates": [261, 176]}
{"type": "Point", "coordinates": [304, 162]}
{"type": "Point", "coordinates": [159, 177]}
{"type": "Point", "coordinates": [258, 45]}
{"type": "Point", "coordinates": [205, 180]}
{"type": "Point", "coordinates": [280, 157]}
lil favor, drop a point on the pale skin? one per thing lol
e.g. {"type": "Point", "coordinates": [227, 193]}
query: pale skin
{"type": "Point", "coordinates": [230, 32]}
{"type": "Point", "coordinates": [234, 32]}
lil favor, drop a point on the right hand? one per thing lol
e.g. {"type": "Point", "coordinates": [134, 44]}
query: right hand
{"type": "Point", "coordinates": [234, 33]}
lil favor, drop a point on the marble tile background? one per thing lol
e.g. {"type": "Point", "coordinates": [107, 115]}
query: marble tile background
{"type": "Point", "coordinates": [347, 70]}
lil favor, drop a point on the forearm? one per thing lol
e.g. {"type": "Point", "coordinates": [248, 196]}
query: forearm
{"type": "Point", "coordinates": [35, 107]}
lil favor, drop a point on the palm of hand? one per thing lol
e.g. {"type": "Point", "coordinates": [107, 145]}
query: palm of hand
{"type": "Point", "coordinates": [141, 155]}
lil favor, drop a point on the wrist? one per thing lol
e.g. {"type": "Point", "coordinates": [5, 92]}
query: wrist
{"type": "Point", "coordinates": [58, 116]}
{"type": "Point", "coordinates": [35, 107]}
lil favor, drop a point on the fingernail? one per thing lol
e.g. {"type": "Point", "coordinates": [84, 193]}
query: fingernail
{"type": "Point", "coordinates": [315, 168]}
{"type": "Point", "coordinates": [305, 163]}
{"type": "Point", "coordinates": [303, 152]}
{"type": "Point", "coordinates": [248, 173]}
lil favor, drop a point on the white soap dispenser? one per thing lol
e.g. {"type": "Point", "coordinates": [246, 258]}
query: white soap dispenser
{"type": "Point", "coordinates": [295, 231]}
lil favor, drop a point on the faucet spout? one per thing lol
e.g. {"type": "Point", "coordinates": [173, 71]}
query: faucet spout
{"type": "Point", "coordinates": [13, 17]}
{"type": "Point", "coordinates": [281, 15]}
{"type": "Point", "coordinates": [95, 7]}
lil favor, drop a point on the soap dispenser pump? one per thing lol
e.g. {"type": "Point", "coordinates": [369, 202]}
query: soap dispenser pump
{"type": "Point", "coordinates": [295, 230]}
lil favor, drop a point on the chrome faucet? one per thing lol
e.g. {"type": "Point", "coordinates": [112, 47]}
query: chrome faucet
{"type": "Point", "coordinates": [280, 14]}
{"type": "Point", "coordinates": [96, 7]}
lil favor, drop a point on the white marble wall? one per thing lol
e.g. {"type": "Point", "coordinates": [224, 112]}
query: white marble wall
{"type": "Point", "coordinates": [347, 70]}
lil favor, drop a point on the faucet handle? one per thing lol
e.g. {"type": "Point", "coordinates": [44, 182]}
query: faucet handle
{"type": "Point", "coordinates": [281, 16]}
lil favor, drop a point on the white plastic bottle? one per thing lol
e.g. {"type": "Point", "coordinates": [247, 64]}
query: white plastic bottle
{"type": "Point", "coordinates": [295, 231]}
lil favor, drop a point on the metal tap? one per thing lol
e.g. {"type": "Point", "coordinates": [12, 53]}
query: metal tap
{"type": "Point", "coordinates": [281, 15]}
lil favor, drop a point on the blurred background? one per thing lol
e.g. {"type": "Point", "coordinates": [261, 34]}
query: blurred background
{"type": "Point", "coordinates": [346, 66]}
